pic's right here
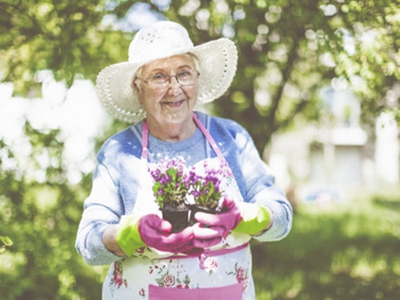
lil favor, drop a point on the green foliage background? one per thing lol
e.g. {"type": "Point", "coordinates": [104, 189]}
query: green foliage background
{"type": "Point", "coordinates": [346, 253]}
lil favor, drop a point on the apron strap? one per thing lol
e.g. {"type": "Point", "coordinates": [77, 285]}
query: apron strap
{"type": "Point", "coordinates": [145, 139]}
{"type": "Point", "coordinates": [210, 139]}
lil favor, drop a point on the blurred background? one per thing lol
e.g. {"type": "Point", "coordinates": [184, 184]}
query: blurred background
{"type": "Point", "coordinates": [317, 87]}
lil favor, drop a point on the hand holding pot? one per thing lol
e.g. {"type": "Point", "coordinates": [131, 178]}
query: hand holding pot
{"type": "Point", "coordinates": [206, 237]}
{"type": "Point", "coordinates": [249, 218]}
{"type": "Point", "coordinates": [218, 225]}
{"type": "Point", "coordinates": [156, 233]}
{"type": "Point", "coordinates": [135, 232]}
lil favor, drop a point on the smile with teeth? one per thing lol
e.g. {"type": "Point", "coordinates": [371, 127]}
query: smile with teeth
{"type": "Point", "coordinates": [173, 103]}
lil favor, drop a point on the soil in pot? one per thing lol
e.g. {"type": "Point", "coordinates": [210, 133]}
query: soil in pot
{"type": "Point", "coordinates": [179, 218]}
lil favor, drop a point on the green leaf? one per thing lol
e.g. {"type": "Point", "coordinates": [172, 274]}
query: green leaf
{"type": "Point", "coordinates": [6, 241]}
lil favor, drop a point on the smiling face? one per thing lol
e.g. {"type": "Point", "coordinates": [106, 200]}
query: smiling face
{"type": "Point", "coordinates": [169, 109]}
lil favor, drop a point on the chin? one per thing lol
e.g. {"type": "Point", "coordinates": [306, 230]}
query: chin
{"type": "Point", "coordinates": [177, 117]}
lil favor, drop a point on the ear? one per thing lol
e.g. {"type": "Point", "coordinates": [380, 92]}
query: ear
{"type": "Point", "coordinates": [134, 85]}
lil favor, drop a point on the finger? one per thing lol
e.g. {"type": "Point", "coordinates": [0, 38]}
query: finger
{"type": "Point", "coordinates": [180, 238]}
{"type": "Point", "coordinates": [206, 243]}
{"type": "Point", "coordinates": [156, 223]}
{"type": "Point", "coordinates": [165, 226]}
{"type": "Point", "coordinates": [210, 219]}
{"type": "Point", "coordinates": [192, 251]}
{"type": "Point", "coordinates": [189, 249]}
{"type": "Point", "coordinates": [207, 237]}
{"type": "Point", "coordinates": [205, 218]}
{"type": "Point", "coordinates": [227, 204]}
{"type": "Point", "coordinates": [208, 233]}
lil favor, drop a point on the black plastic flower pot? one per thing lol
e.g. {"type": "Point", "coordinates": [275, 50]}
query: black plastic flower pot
{"type": "Point", "coordinates": [179, 219]}
{"type": "Point", "coordinates": [195, 208]}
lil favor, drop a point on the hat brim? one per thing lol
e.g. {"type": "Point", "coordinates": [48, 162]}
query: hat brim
{"type": "Point", "coordinates": [217, 67]}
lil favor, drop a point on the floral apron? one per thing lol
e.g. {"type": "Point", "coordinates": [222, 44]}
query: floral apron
{"type": "Point", "coordinates": [222, 272]}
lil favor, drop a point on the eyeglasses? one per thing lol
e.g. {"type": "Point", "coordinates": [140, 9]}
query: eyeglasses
{"type": "Point", "coordinates": [162, 80]}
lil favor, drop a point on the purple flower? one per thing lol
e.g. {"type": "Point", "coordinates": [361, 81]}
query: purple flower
{"type": "Point", "coordinates": [173, 181]}
{"type": "Point", "coordinates": [170, 185]}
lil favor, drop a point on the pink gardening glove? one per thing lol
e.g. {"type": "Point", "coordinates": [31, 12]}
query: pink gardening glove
{"type": "Point", "coordinates": [206, 237]}
{"type": "Point", "coordinates": [156, 232]}
{"type": "Point", "coordinates": [213, 228]}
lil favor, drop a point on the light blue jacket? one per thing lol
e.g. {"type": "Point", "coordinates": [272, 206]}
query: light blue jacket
{"type": "Point", "coordinates": [117, 175]}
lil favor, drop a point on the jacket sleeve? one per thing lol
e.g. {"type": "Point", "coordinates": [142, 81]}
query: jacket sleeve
{"type": "Point", "coordinates": [102, 208]}
{"type": "Point", "coordinates": [259, 188]}
{"type": "Point", "coordinates": [113, 194]}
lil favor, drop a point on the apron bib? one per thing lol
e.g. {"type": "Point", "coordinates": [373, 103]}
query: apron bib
{"type": "Point", "coordinates": [222, 272]}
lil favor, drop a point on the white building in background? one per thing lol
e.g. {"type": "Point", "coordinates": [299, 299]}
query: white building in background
{"type": "Point", "coordinates": [387, 150]}
{"type": "Point", "coordinates": [338, 149]}
{"type": "Point", "coordinates": [337, 155]}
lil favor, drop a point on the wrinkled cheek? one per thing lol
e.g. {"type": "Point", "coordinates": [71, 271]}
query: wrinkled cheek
{"type": "Point", "coordinates": [192, 94]}
{"type": "Point", "coordinates": [153, 101]}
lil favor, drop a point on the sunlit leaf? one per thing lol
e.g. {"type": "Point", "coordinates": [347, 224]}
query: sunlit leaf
{"type": "Point", "coordinates": [6, 241]}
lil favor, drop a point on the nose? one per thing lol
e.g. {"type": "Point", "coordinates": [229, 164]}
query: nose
{"type": "Point", "coordinates": [175, 87]}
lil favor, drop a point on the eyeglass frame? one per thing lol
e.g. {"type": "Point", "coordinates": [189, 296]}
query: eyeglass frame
{"type": "Point", "coordinates": [169, 79]}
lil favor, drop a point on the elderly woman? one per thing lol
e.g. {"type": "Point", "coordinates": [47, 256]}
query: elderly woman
{"type": "Point", "coordinates": [157, 91]}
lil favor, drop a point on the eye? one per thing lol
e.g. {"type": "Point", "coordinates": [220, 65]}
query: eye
{"type": "Point", "coordinates": [160, 77]}
{"type": "Point", "coordinates": [184, 74]}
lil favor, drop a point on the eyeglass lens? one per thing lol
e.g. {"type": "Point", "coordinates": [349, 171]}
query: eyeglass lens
{"type": "Point", "coordinates": [186, 77]}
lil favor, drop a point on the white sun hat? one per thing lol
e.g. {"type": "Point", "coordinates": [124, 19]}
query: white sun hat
{"type": "Point", "coordinates": [217, 67]}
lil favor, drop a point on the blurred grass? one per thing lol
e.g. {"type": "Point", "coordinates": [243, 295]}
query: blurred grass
{"type": "Point", "coordinates": [348, 251]}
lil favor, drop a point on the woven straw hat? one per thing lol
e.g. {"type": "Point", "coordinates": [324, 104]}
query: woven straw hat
{"type": "Point", "coordinates": [217, 67]}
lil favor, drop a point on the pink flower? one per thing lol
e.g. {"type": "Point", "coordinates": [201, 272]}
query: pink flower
{"type": "Point", "coordinates": [240, 275]}
{"type": "Point", "coordinates": [169, 281]}
{"type": "Point", "coordinates": [141, 250]}
{"type": "Point", "coordinates": [117, 278]}
{"type": "Point", "coordinates": [210, 264]}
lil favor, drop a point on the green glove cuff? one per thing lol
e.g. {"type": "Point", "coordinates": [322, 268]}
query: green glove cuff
{"type": "Point", "coordinates": [255, 218]}
{"type": "Point", "coordinates": [128, 236]}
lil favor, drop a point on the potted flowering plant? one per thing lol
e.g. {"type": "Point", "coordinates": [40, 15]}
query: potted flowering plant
{"type": "Point", "coordinates": [170, 189]}
{"type": "Point", "coordinates": [205, 190]}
